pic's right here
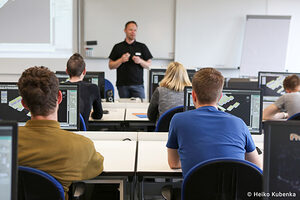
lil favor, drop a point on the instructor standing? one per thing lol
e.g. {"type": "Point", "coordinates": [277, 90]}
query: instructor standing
{"type": "Point", "coordinates": [130, 58]}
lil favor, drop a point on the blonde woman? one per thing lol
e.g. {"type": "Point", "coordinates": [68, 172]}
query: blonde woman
{"type": "Point", "coordinates": [170, 93]}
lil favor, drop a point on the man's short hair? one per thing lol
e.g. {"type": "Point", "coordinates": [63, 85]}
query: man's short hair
{"type": "Point", "coordinates": [208, 84]}
{"type": "Point", "coordinates": [75, 65]}
{"type": "Point", "coordinates": [291, 82]}
{"type": "Point", "coordinates": [130, 22]}
{"type": "Point", "coordinates": [39, 88]}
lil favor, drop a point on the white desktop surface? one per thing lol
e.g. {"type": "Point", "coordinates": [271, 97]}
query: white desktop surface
{"type": "Point", "coordinates": [131, 117]}
{"type": "Point", "coordinates": [153, 157]}
{"type": "Point", "coordinates": [109, 135]}
{"type": "Point", "coordinates": [115, 114]}
{"type": "Point", "coordinates": [119, 156]}
{"type": "Point", "coordinates": [109, 105]}
{"type": "Point", "coordinates": [153, 136]}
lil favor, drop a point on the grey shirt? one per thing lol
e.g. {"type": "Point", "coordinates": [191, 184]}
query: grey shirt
{"type": "Point", "coordinates": [289, 102]}
{"type": "Point", "coordinates": [162, 100]}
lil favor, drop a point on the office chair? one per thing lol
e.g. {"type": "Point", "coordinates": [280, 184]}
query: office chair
{"type": "Point", "coordinates": [108, 86]}
{"type": "Point", "coordinates": [294, 117]}
{"type": "Point", "coordinates": [163, 122]}
{"type": "Point", "coordinates": [34, 184]}
{"type": "Point", "coordinates": [222, 179]}
{"type": "Point", "coordinates": [82, 123]}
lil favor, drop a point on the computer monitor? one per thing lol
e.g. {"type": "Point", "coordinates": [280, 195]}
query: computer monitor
{"type": "Point", "coordinates": [91, 77]}
{"type": "Point", "coordinates": [156, 75]}
{"type": "Point", "coordinates": [243, 103]}
{"type": "Point", "coordinates": [281, 159]}
{"type": "Point", "coordinates": [271, 84]}
{"type": "Point", "coordinates": [8, 160]}
{"type": "Point", "coordinates": [11, 107]}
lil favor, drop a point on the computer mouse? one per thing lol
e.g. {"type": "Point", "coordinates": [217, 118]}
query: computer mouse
{"type": "Point", "coordinates": [105, 111]}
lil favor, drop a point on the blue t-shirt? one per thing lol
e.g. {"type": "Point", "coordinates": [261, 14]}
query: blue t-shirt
{"type": "Point", "coordinates": [207, 133]}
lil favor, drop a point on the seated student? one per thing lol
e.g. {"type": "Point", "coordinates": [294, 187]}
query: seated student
{"type": "Point", "coordinates": [89, 93]}
{"type": "Point", "coordinates": [170, 93]}
{"type": "Point", "coordinates": [42, 144]}
{"type": "Point", "coordinates": [206, 132]}
{"type": "Point", "coordinates": [289, 101]}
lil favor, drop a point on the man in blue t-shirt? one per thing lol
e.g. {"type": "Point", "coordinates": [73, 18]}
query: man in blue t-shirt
{"type": "Point", "coordinates": [206, 132]}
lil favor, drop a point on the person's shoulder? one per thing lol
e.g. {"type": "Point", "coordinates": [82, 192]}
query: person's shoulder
{"type": "Point", "coordinates": [89, 85]}
{"type": "Point", "coordinates": [141, 44]}
{"type": "Point", "coordinates": [119, 44]}
{"type": "Point", "coordinates": [76, 138]}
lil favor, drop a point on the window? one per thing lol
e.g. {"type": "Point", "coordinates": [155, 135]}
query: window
{"type": "Point", "coordinates": [36, 28]}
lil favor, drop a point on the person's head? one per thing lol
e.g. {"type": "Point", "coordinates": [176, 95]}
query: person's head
{"type": "Point", "coordinates": [207, 86]}
{"type": "Point", "coordinates": [76, 66]}
{"type": "Point", "coordinates": [176, 77]}
{"type": "Point", "coordinates": [130, 30]}
{"type": "Point", "coordinates": [291, 83]}
{"type": "Point", "coordinates": [39, 89]}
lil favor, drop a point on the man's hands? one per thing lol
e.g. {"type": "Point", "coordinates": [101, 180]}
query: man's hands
{"type": "Point", "coordinates": [125, 58]}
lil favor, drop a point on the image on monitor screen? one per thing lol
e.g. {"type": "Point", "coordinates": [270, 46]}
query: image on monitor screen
{"type": "Point", "coordinates": [271, 84]}
{"type": "Point", "coordinates": [243, 103]}
{"type": "Point", "coordinates": [282, 158]}
{"type": "Point", "coordinates": [8, 160]}
{"type": "Point", "coordinates": [11, 107]}
{"type": "Point", "coordinates": [156, 75]}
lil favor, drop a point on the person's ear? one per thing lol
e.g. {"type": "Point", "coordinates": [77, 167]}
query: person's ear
{"type": "Point", "coordinates": [24, 105]}
{"type": "Point", "coordinates": [220, 97]}
{"type": "Point", "coordinates": [67, 71]}
{"type": "Point", "coordinates": [84, 72]}
{"type": "Point", "coordinates": [59, 97]}
{"type": "Point", "coordinates": [195, 98]}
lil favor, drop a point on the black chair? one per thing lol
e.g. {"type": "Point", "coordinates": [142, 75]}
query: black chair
{"type": "Point", "coordinates": [163, 122]}
{"type": "Point", "coordinates": [294, 117]}
{"type": "Point", "coordinates": [34, 184]}
{"type": "Point", "coordinates": [222, 179]}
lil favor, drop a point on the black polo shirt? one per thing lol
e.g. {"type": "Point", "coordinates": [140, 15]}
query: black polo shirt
{"type": "Point", "coordinates": [130, 73]}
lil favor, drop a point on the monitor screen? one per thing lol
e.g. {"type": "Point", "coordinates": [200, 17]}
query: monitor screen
{"type": "Point", "coordinates": [8, 160]}
{"type": "Point", "coordinates": [11, 107]}
{"type": "Point", "coordinates": [271, 84]}
{"type": "Point", "coordinates": [156, 75]}
{"type": "Point", "coordinates": [243, 103]}
{"type": "Point", "coordinates": [91, 77]}
{"type": "Point", "coordinates": [281, 158]}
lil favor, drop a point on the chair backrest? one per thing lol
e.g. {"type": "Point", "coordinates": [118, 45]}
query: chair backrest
{"type": "Point", "coordinates": [108, 86]}
{"type": "Point", "coordinates": [294, 117]}
{"type": "Point", "coordinates": [82, 123]}
{"type": "Point", "coordinates": [163, 122]}
{"type": "Point", "coordinates": [222, 179]}
{"type": "Point", "coordinates": [34, 184]}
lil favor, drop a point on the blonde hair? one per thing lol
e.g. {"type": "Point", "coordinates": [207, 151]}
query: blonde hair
{"type": "Point", "coordinates": [176, 77]}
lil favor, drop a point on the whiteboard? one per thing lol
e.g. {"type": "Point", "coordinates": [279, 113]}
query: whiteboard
{"type": "Point", "coordinates": [210, 32]}
{"type": "Point", "coordinates": [104, 21]}
{"type": "Point", "coordinates": [265, 44]}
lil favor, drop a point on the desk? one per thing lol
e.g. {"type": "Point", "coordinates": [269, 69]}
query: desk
{"type": "Point", "coordinates": [153, 136]}
{"type": "Point", "coordinates": [119, 164]}
{"type": "Point", "coordinates": [109, 135]}
{"type": "Point", "coordinates": [121, 118]}
{"type": "Point", "coordinates": [152, 161]}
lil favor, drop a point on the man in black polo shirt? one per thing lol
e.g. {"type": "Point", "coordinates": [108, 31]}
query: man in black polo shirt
{"type": "Point", "coordinates": [130, 58]}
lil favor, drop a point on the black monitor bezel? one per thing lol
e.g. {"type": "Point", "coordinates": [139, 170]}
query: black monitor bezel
{"type": "Point", "coordinates": [78, 105]}
{"type": "Point", "coordinates": [270, 72]}
{"type": "Point", "coordinates": [185, 106]}
{"type": "Point", "coordinates": [260, 104]}
{"type": "Point", "coordinates": [78, 101]}
{"type": "Point", "coordinates": [151, 71]}
{"type": "Point", "coordinates": [267, 138]}
{"type": "Point", "coordinates": [14, 169]}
